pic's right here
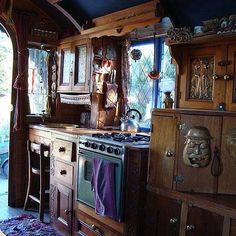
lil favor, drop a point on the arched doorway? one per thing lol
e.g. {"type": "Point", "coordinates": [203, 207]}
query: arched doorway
{"type": "Point", "coordinates": [7, 74]}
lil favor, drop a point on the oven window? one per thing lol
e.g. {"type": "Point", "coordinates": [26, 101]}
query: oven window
{"type": "Point", "coordinates": [88, 170]}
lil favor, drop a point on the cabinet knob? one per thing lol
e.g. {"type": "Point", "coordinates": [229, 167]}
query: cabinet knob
{"type": "Point", "coordinates": [96, 229]}
{"type": "Point", "coordinates": [68, 211]}
{"type": "Point", "coordinates": [215, 77]}
{"type": "Point", "coordinates": [62, 149]}
{"type": "Point", "coordinates": [169, 153]}
{"type": "Point", "coordinates": [190, 227]}
{"type": "Point", "coordinates": [227, 77]}
{"type": "Point", "coordinates": [63, 172]}
{"type": "Point", "coordinates": [173, 220]}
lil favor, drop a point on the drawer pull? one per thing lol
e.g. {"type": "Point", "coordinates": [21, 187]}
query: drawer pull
{"type": "Point", "coordinates": [96, 229]}
{"type": "Point", "coordinates": [169, 153]}
{"type": "Point", "coordinates": [190, 227]}
{"type": "Point", "coordinates": [62, 149]}
{"type": "Point", "coordinates": [68, 211]}
{"type": "Point", "coordinates": [63, 172]}
{"type": "Point", "coordinates": [173, 220]}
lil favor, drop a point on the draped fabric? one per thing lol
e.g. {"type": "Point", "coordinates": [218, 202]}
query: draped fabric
{"type": "Point", "coordinates": [20, 83]}
{"type": "Point", "coordinates": [125, 73]}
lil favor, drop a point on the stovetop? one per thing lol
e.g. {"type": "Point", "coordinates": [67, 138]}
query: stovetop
{"type": "Point", "coordinates": [112, 144]}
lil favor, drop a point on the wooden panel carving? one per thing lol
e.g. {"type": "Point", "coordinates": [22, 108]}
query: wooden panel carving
{"type": "Point", "coordinates": [202, 70]}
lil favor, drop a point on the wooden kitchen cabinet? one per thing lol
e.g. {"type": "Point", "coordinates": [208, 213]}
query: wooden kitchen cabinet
{"type": "Point", "coordinates": [206, 78]}
{"type": "Point", "coordinates": [206, 193]}
{"type": "Point", "coordinates": [74, 66]}
{"type": "Point", "coordinates": [62, 181]}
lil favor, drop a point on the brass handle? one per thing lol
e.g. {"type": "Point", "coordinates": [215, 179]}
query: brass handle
{"type": "Point", "coordinates": [169, 153]}
{"type": "Point", "coordinates": [68, 211]}
{"type": "Point", "coordinates": [63, 172]}
{"type": "Point", "coordinates": [190, 227]}
{"type": "Point", "coordinates": [173, 220]}
{"type": "Point", "coordinates": [62, 149]}
{"type": "Point", "coordinates": [227, 77]}
{"type": "Point", "coordinates": [215, 77]}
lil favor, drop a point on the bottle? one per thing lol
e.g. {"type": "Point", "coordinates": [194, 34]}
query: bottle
{"type": "Point", "coordinates": [168, 101]}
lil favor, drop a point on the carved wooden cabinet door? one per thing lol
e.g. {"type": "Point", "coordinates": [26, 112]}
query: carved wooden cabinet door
{"type": "Point", "coordinates": [230, 100]}
{"type": "Point", "coordinates": [199, 143]}
{"type": "Point", "coordinates": [201, 77]}
{"type": "Point", "coordinates": [162, 152]}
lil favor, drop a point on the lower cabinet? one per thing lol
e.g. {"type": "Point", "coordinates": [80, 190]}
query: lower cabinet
{"type": "Point", "coordinates": [170, 214]}
{"type": "Point", "coordinates": [64, 206]}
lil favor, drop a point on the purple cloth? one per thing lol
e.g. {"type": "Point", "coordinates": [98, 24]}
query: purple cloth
{"type": "Point", "coordinates": [103, 185]}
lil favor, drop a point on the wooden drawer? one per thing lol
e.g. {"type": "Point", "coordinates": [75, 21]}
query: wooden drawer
{"type": "Point", "coordinates": [64, 172]}
{"type": "Point", "coordinates": [64, 150]}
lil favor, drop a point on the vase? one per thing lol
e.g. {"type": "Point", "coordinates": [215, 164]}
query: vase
{"type": "Point", "coordinates": [168, 101]}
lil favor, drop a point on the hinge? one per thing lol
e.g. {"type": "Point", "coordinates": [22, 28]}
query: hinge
{"type": "Point", "coordinates": [181, 126]}
{"type": "Point", "coordinates": [178, 178]}
{"type": "Point", "coordinates": [151, 128]}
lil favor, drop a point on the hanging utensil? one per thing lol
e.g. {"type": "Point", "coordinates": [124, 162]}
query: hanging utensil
{"type": "Point", "coordinates": [154, 74]}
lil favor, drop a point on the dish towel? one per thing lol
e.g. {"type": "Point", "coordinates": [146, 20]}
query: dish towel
{"type": "Point", "coordinates": [103, 185]}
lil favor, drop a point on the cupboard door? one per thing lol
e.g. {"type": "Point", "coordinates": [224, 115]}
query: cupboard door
{"type": "Point", "coordinates": [82, 68]}
{"type": "Point", "coordinates": [198, 88]}
{"type": "Point", "coordinates": [162, 150]}
{"type": "Point", "coordinates": [66, 62]}
{"type": "Point", "coordinates": [64, 207]}
{"type": "Point", "coordinates": [162, 216]}
{"type": "Point", "coordinates": [227, 183]}
{"type": "Point", "coordinates": [193, 178]}
{"type": "Point", "coordinates": [231, 82]}
{"type": "Point", "coordinates": [203, 222]}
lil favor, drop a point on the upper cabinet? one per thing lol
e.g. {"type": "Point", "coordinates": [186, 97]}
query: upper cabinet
{"type": "Point", "coordinates": [74, 66]}
{"type": "Point", "coordinates": [206, 78]}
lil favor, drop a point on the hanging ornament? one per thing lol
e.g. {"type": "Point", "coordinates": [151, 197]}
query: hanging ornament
{"type": "Point", "coordinates": [154, 74]}
{"type": "Point", "coordinates": [135, 54]}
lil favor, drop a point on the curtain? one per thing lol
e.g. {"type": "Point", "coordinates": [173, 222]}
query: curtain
{"type": "Point", "coordinates": [20, 84]}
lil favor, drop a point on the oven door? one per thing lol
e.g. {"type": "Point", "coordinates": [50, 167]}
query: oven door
{"type": "Point", "coordinates": [85, 170]}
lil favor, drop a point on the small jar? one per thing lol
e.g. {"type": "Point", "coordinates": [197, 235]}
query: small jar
{"type": "Point", "coordinates": [168, 100]}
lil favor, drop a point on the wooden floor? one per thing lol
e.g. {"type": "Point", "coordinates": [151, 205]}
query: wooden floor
{"type": "Point", "coordinates": [8, 212]}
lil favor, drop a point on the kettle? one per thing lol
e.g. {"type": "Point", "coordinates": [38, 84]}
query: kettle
{"type": "Point", "coordinates": [129, 123]}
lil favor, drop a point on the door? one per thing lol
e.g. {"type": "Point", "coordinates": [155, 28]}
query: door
{"type": "Point", "coordinates": [162, 150]}
{"type": "Point", "coordinates": [201, 83]}
{"type": "Point", "coordinates": [64, 207]}
{"type": "Point", "coordinates": [231, 82]}
{"type": "Point", "coordinates": [198, 138]}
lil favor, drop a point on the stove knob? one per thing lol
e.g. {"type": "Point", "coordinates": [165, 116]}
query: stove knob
{"type": "Point", "coordinates": [94, 146]}
{"type": "Point", "coordinates": [110, 149]}
{"type": "Point", "coordinates": [87, 144]}
{"type": "Point", "coordinates": [102, 147]}
{"type": "Point", "coordinates": [117, 151]}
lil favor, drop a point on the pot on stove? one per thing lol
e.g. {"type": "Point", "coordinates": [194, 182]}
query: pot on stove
{"type": "Point", "coordinates": [129, 122]}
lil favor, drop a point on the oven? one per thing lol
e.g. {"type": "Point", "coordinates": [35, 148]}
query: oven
{"type": "Point", "coordinates": [103, 148]}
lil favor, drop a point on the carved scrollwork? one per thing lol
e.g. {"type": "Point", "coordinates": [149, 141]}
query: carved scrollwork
{"type": "Point", "coordinates": [179, 35]}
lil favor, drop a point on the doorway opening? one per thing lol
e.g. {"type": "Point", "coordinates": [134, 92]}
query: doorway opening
{"type": "Point", "coordinates": [6, 70]}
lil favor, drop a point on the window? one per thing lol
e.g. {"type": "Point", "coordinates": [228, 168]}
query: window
{"type": "Point", "coordinates": [38, 81]}
{"type": "Point", "coordinates": [144, 93]}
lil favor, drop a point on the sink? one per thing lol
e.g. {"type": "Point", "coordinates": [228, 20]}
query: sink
{"type": "Point", "coordinates": [59, 125]}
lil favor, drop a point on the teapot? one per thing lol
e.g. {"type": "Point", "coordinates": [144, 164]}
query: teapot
{"type": "Point", "coordinates": [129, 123]}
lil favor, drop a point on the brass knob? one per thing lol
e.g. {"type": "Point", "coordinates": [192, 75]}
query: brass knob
{"type": "Point", "coordinates": [68, 211]}
{"type": "Point", "coordinates": [227, 77]}
{"type": "Point", "coordinates": [62, 149]}
{"type": "Point", "coordinates": [173, 220]}
{"type": "Point", "coordinates": [215, 77]}
{"type": "Point", "coordinates": [63, 172]}
{"type": "Point", "coordinates": [190, 227]}
{"type": "Point", "coordinates": [169, 153]}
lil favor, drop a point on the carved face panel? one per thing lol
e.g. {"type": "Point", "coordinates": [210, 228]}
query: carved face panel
{"type": "Point", "coordinates": [197, 151]}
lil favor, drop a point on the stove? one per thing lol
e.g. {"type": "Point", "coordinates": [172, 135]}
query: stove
{"type": "Point", "coordinates": [107, 149]}
{"type": "Point", "coordinates": [112, 144]}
